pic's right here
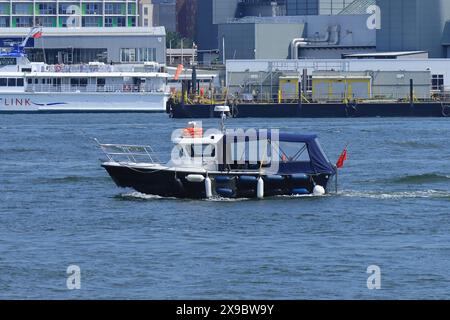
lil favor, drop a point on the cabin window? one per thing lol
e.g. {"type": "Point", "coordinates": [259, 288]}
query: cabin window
{"type": "Point", "coordinates": [12, 82]}
{"type": "Point", "coordinates": [30, 81]}
{"type": "Point", "coordinates": [83, 82]}
{"type": "Point", "coordinates": [19, 82]}
{"type": "Point", "coordinates": [3, 82]}
{"type": "Point", "coordinates": [202, 150]}
{"type": "Point", "coordinates": [293, 152]}
{"type": "Point", "coordinates": [101, 82]}
{"type": "Point", "coordinates": [248, 154]}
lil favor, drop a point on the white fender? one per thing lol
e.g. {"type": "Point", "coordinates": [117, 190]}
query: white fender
{"type": "Point", "coordinates": [260, 188]}
{"type": "Point", "coordinates": [195, 178]}
{"type": "Point", "coordinates": [318, 190]}
{"type": "Point", "coordinates": [208, 188]}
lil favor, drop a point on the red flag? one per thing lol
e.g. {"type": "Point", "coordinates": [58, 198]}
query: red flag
{"type": "Point", "coordinates": [37, 35]}
{"type": "Point", "coordinates": [342, 158]}
{"type": "Point", "coordinates": [178, 72]}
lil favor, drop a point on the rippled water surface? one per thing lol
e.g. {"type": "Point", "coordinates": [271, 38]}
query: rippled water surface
{"type": "Point", "coordinates": [58, 207]}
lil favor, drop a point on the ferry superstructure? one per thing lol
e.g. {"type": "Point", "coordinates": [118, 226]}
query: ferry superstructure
{"type": "Point", "coordinates": [95, 87]}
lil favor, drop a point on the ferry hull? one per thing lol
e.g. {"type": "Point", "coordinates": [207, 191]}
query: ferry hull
{"type": "Point", "coordinates": [314, 110]}
{"type": "Point", "coordinates": [167, 183]}
{"type": "Point", "coordinates": [82, 102]}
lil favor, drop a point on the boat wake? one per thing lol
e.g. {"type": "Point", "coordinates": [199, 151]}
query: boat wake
{"type": "Point", "coordinates": [424, 194]}
{"type": "Point", "coordinates": [138, 196]}
{"type": "Point", "coordinates": [421, 178]}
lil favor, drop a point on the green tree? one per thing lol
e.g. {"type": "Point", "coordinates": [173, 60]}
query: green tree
{"type": "Point", "coordinates": [173, 40]}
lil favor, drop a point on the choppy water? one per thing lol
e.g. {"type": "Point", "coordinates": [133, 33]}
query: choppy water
{"type": "Point", "coordinates": [58, 207]}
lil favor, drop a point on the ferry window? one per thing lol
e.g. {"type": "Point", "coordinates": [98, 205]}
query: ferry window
{"type": "Point", "coordinates": [3, 82]}
{"type": "Point", "coordinates": [11, 82]}
{"type": "Point", "coordinates": [74, 82]}
{"type": "Point", "coordinates": [19, 82]}
{"type": "Point", "coordinates": [30, 81]}
{"type": "Point", "coordinates": [36, 81]}
{"type": "Point", "coordinates": [101, 81]}
{"type": "Point", "coordinates": [83, 82]}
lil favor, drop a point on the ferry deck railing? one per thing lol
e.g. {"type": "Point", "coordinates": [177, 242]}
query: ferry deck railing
{"type": "Point", "coordinates": [125, 88]}
{"type": "Point", "coordinates": [129, 153]}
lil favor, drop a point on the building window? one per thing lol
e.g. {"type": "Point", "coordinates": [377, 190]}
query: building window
{"type": "Point", "coordinates": [145, 22]}
{"type": "Point", "coordinates": [93, 8]}
{"type": "Point", "coordinates": [90, 22]}
{"type": "Point", "coordinates": [146, 54]}
{"type": "Point", "coordinates": [108, 22]}
{"type": "Point", "coordinates": [132, 21]}
{"type": "Point", "coordinates": [22, 8]}
{"type": "Point", "coordinates": [4, 22]}
{"type": "Point", "coordinates": [69, 8]}
{"type": "Point", "coordinates": [309, 83]}
{"type": "Point", "coordinates": [128, 55]}
{"type": "Point", "coordinates": [4, 8]}
{"type": "Point", "coordinates": [113, 8]}
{"type": "Point", "coordinates": [145, 11]}
{"type": "Point", "coordinates": [437, 82]}
{"type": "Point", "coordinates": [131, 10]}
{"type": "Point", "coordinates": [24, 22]}
{"type": "Point", "coordinates": [47, 8]}
{"type": "Point", "coordinates": [46, 21]}
{"type": "Point", "coordinates": [121, 22]}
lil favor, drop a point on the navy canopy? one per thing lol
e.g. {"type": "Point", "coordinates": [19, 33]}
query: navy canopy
{"type": "Point", "coordinates": [318, 163]}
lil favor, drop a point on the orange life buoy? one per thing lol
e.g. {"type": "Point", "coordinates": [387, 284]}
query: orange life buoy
{"type": "Point", "coordinates": [193, 132]}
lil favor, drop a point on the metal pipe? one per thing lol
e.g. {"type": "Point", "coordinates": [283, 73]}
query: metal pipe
{"type": "Point", "coordinates": [294, 47]}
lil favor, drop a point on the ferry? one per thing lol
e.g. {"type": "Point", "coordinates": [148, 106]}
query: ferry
{"type": "Point", "coordinates": [94, 87]}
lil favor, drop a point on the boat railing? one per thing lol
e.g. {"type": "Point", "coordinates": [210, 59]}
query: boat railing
{"type": "Point", "coordinates": [125, 88]}
{"type": "Point", "coordinates": [129, 153]}
{"type": "Point", "coordinates": [307, 97]}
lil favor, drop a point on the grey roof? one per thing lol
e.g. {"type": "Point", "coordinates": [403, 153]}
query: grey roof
{"type": "Point", "coordinates": [358, 7]}
{"type": "Point", "coordinates": [384, 54]}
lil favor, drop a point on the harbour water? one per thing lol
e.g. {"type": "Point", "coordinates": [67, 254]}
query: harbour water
{"type": "Point", "coordinates": [58, 207]}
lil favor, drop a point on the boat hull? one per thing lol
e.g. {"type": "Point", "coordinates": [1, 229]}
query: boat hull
{"type": "Point", "coordinates": [169, 183]}
{"type": "Point", "coordinates": [313, 110]}
{"type": "Point", "coordinates": [82, 102]}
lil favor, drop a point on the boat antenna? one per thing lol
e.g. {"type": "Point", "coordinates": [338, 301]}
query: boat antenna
{"type": "Point", "coordinates": [223, 116]}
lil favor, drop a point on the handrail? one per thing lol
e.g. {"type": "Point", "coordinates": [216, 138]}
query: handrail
{"type": "Point", "coordinates": [129, 153]}
{"type": "Point", "coordinates": [94, 88]}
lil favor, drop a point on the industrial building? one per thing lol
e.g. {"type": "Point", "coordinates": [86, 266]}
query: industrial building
{"type": "Point", "coordinates": [164, 14]}
{"type": "Point", "coordinates": [214, 15]}
{"type": "Point", "coordinates": [335, 78]}
{"type": "Point", "coordinates": [413, 25]}
{"type": "Point", "coordinates": [318, 37]}
{"type": "Point", "coordinates": [406, 25]}
{"type": "Point", "coordinates": [109, 45]}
